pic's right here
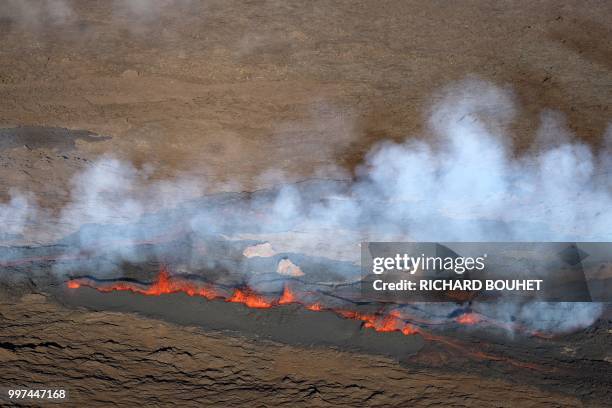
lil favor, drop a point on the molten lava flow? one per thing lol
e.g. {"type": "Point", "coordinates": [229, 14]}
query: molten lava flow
{"type": "Point", "coordinates": [161, 285]}
{"type": "Point", "coordinates": [164, 284]}
{"type": "Point", "coordinates": [381, 323]}
{"type": "Point", "coordinates": [287, 297]}
{"type": "Point", "coordinates": [74, 284]}
{"type": "Point", "coordinates": [120, 286]}
{"type": "Point", "coordinates": [389, 322]}
{"type": "Point", "coordinates": [250, 298]}
{"type": "Point", "coordinates": [469, 319]}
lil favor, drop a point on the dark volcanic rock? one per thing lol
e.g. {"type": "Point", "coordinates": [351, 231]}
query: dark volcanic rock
{"type": "Point", "coordinates": [292, 324]}
{"type": "Point", "coordinates": [36, 137]}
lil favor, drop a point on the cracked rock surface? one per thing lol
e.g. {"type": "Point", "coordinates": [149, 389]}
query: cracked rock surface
{"type": "Point", "coordinates": [104, 359]}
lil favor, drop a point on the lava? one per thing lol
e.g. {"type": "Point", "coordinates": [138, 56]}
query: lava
{"type": "Point", "coordinates": [315, 307]}
{"type": "Point", "coordinates": [392, 321]}
{"type": "Point", "coordinates": [469, 319]}
{"type": "Point", "coordinates": [381, 323]}
{"type": "Point", "coordinates": [164, 284]}
{"type": "Point", "coordinates": [250, 299]}
{"type": "Point", "coordinates": [74, 284]}
{"type": "Point", "coordinates": [287, 297]}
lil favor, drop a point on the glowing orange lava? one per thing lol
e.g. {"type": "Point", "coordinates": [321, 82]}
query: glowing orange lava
{"type": "Point", "coordinates": [381, 323]}
{"type": "Point", "coordinates": [250, 298]}
{"type": "Point", "coordinates": [469, 319]}
{"type": "Point", "coordinates": [164, 284]}
{"type": "Point", "coordinates": [392, 321]}
{"type": "Point", "coordinates": [287, 297]}
{"type": "Point", "coordinates": [74, 284]}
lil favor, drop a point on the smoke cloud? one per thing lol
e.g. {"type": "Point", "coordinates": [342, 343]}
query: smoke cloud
{"type": "Point", "coordinates": [146, 10]}
{"type": "Point", "coordinates": [114, 193]}
{"type": "Point", "coordinates": [559, 317]}
{"type": "Point", "coordinates": [16, 214]}
{"type": "Point", "coordinates": [465, 183]}
{"type": "Point", "coordinates": [33, 13]}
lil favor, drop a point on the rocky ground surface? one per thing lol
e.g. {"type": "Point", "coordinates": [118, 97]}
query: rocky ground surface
{"type": "Point", "coordinates": [105, 358]}
{"type": "Point", "coordinates": [228, 90]}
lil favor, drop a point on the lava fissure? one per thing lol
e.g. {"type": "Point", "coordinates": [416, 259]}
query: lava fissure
{"type": "Point", "coordinates": [166, 284]}
{"type": "Point", "coordinates": [380, 321]}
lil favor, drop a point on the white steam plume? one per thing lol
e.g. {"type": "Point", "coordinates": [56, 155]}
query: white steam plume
{"type": "Point", "coordinates": [115, 193]}
{"type": "Point", "coordinates": [16, 214]}
{"type": "Point", "coordinates": [32, 13]}
{"type": "Point", "coordinates": [146, 10]}
{"type": "Point", "coordinates": [464, 184]}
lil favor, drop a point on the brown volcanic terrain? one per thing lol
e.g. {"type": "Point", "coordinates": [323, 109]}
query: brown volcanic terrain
{"type": "Point", "coordinates": [117, 357]}
{"type": "Point", "coordinates": [227, 90]}
{"type": "Point", "coordinates": [230, 89]}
